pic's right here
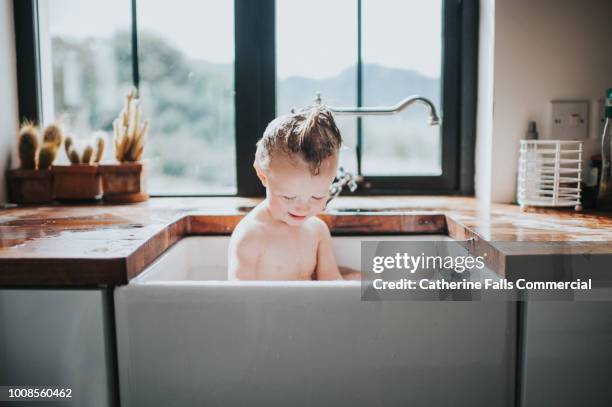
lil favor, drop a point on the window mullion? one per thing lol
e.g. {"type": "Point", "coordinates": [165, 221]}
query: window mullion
{"type": "Point", "coordinates": [134, 37]}
{"type": "Point", "coordinates": [28, 59]}
{"type": "Point", "coordinates": [255, 83]}
{"type": "Point", "coordinates": [359, 75]}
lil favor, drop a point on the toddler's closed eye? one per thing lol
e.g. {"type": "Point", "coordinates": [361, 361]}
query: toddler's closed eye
{"type": "Point", "coordinates": [318, 198]}
{"type": "Point", "coordinates": [289, 198]}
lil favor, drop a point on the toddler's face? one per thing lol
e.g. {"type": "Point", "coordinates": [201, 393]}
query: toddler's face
{"type": "Point", "coordinates": [293, 193]}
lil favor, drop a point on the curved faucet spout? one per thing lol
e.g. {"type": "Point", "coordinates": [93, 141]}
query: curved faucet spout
{"type": "Point", "coordinates": [434, 119]}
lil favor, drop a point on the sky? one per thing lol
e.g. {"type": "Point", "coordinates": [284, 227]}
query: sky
{"type": "Point", "coordinates": [315, 38]}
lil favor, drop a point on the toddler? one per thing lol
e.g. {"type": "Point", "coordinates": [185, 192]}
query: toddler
{"type": "Point", "coordinates": [281, 239]}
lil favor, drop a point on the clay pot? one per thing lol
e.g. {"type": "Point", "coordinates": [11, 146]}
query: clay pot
{"type": "Point", "coordinates": [77, 182]}
{"type": "Point", "coordinates": [124, 182]}
{"type": "Point", "coordinates": [30, 186]}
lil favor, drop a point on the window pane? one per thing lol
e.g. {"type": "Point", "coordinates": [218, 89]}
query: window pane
{"type": "Point", "coordinates": [402, 54]}
{"type": "Point", "coordinates": [186, 58]}
{"type": "Point", "coordinates": [316, 51]}
{"type": "Point", "coordinates": [85, 63]}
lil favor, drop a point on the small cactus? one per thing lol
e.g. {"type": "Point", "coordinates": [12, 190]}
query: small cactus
{"type": "Point", "coordinates": [87, 154]}
{"type": "Point", "coordinates": [47, 154]}
{"type": "Point", "coordinates": [100, 139]}
{"type": "Point", "coordinates": [71, 152]}
{"type": "Point", "coordinates": [74, 157]}
{"type": "Point", "coordinates": [67, 145]}
{"type": "Point", "coordinates": [91, 153]}
{"type": "Point", "coordinates": [28, 146]}
{"type": "Point", "coordinates": [53, 134]}
{"type": "Point", "coordinates": [129, 132]}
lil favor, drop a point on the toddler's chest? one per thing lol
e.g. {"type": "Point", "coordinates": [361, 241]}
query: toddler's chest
{"type": "Point", "coordinates": [289, 257]}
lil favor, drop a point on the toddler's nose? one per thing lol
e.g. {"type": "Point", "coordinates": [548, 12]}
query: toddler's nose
{"type": "Point", "coordinates": [302, 207]}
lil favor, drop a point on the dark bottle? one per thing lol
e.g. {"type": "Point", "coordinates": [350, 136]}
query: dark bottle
{"type": "Point", "coordinates": [532, 131]}
{"type": "Point", "coordinates": [604, 198]}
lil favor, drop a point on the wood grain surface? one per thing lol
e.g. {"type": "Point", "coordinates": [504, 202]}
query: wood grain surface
{"type": "Point", "coordinates": [96, 245]}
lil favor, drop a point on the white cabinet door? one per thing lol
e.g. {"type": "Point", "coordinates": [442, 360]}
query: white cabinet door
{"type": "Point", "coordinates": [58, 337]}
{"type": "Point", "coordinates": [567, 354]}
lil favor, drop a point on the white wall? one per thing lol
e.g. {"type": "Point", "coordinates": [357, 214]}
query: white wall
{"type": "Point", "coordinates": [543, 50]}
{"type": "Point", "coordinates": [484, 112]}
{"type": "Point", "coordinates": [8, 93]}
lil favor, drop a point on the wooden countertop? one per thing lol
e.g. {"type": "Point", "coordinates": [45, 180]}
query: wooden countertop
{"type": "Point", "coordinates": [93, 245]}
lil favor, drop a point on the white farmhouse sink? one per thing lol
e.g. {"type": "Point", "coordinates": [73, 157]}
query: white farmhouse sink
{"type": "Point", "coordinates": [186, 336]}
{"type": "Point", "coordinates": [204, 258]}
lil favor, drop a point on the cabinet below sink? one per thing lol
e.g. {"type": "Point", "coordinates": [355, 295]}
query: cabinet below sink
{"type": "Point", "coordinates": [59, 337]}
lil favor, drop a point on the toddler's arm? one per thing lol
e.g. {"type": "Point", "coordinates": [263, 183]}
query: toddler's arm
{"type": "Point", "coordinates": [243, 254]}
{"type": "Point", "coordinates": [327, 269]}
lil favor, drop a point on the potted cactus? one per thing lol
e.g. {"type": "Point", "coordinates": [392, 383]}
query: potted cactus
{"type": "Point", "coordinates": [33, 181]}
{"type": "Point", "coordinates": [124, 182]}
{"type": "Point", "coordinates": [81, 179]}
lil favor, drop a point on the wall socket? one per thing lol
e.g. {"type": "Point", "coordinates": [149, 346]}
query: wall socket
{"type": "Point", "coordinates": [570, 120]}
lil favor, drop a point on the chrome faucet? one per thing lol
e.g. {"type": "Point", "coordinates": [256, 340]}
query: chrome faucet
{"type": "Point", "coordinates": [348, 179]}
{"type": "Point", "coordinates": [434, 119]}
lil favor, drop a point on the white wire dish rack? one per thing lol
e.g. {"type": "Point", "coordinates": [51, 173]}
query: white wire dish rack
{"type": "Point", "coordinates": [550, 172]}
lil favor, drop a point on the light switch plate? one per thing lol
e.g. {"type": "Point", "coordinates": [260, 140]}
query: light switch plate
{"type": "Point", "coordinates": [570, 120]}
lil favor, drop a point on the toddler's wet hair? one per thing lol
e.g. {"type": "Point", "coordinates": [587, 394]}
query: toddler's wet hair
{"type": "Point", "coordinates": [310, 133]}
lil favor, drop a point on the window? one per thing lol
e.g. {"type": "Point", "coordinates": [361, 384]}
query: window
{"type": "Point", "coordinates": [375, 53]}
{"type": "Point", "coordinates": [398, 54]}
{"type": "Point", "coordinates": [185, 82]}
{"type": "Point", "coordinates": [401, 45]}
{"type": "Point", "coordinates": [186, 64]}
{"type": "Point", "coordinates": [307, 64]}
{"type": "Point", "coordinates": [213, 73]}
{"type": "Point", "coordinates": [88, 66]}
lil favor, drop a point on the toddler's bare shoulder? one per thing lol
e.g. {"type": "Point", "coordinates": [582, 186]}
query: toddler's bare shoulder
{"type": "Point", "coordinates": [248, 229]}
{"type": "Point", "coordinates": [245, 242]}
{"type": "Point", "coordinates": [318, 226]}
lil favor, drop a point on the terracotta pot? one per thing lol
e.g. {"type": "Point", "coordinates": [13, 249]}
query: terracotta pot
{"type": "Point", "coordinates": [30, 186]}
{"type": "Point", "coordinates": [77, 182]}
{"type": "Point", "coordinates": [124, 182]}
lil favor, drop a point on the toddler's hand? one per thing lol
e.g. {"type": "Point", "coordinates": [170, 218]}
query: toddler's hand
{"type": "Point", "coordinates": [349, 273]}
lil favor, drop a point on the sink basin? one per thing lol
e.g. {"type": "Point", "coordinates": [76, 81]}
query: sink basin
{"type": "Point", "coordinates": [185, 261]}
{"type": "Point", "coordinates": [183, 329]}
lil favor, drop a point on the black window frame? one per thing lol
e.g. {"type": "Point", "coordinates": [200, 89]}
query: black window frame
{"type": "Point", "coordinates": [255, 96]}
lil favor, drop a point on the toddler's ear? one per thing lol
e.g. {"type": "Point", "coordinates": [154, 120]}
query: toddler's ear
{"type": "Point", "coordinates": [261, 174]}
